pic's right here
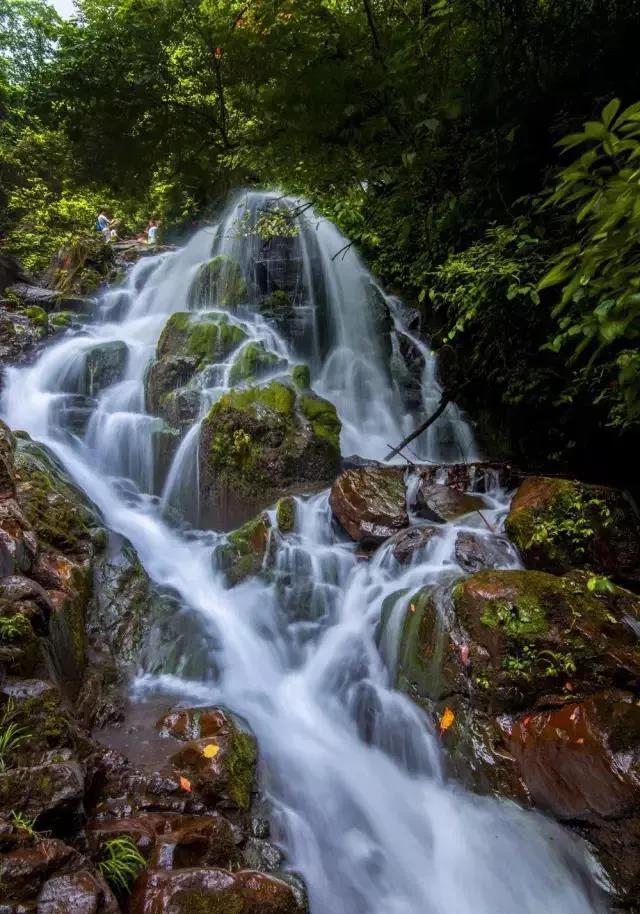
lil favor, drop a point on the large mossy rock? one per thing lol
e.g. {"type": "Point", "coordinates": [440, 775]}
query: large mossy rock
{"type": "Point", "coordinates": [219, 283]}
{"type": "Point", "coordinates": [509, 637]}
{"type": "Point", "coordinates": [60, 514]}
{"type": "Point", "coordinates": [531, 632]}
{"type": "Point", "coordinates": [559, 524]}
{"type": "Point", "coordinates": [260, 441]}
{"type": "Point", "coordinates": [188, 343]}
{"type": "Point", "coordinates": [370, 503]}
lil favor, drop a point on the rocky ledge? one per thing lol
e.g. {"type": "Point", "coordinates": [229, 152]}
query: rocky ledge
{"type": "Point", "coordinates": [84, 827]}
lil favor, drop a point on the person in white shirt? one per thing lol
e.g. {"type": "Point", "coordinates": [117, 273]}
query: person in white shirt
{"type": "Point", "coordinates": [152, 232]}
{"type": "Point", "coordinates": [103, 225]}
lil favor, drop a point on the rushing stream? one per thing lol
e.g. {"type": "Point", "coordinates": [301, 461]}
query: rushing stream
{"type": "Point", "coordinates": [352, 769]}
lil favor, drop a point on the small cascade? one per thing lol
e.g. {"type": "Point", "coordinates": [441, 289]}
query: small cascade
{"type": "Point", "coordinates": [307, 652]}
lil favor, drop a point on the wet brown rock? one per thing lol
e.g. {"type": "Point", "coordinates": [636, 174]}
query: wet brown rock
{"type": "Point", "coordinates": [442, 503]}
{"type": "Point", "coordinates": [80, 892]}
{"type": "Point", "coordinates": [211, 890]}
{"type": "Point", "coordinates": [29, 863]}
{"type": "Point", "coordinates": [219, 758]}
{"type": "Point", "coordinates": [581, 763]}
{"type": "Point", "coordinates": [475, 552]}
{"type": "Point", "coordinates": [18, 544]}
{"type": "Point", "coordinates": [369, 503]}
{"type": "Point", "coordinates": [581, 760]}
{"type": "Point", "coordinates": [48, 793]}
{"type": "Point", "coordinates": [171, 841]}
{"type": "Point", "coordinates": [28, 597]}
{"type": "Point", "coordinates": [559, 524]}
{"type": "Point", "coordinates": [407, 542]}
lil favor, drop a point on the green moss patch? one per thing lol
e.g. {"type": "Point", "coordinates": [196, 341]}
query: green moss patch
{"type": "Point", "coordinates": [253, 362]}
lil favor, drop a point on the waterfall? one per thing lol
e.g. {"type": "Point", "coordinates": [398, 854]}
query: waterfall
{"type": "Point", "coordinates": [352, 769]}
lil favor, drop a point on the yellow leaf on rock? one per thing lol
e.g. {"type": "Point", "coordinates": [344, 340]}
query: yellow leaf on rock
{"type": "Point", "coordinates": [210, 750]}
{"type": "Point", "coordinates": [447, 719]}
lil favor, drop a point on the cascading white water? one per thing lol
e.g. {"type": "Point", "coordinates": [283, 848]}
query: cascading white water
{"type": "Point", "coordinates": [352, 768]}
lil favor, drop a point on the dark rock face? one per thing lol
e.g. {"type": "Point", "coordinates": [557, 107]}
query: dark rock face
{"type": "Point", "coordinates": [412, 540]}
{"type": "Point", "coordinates": [10, 271]}
{"type": "Point", "coordinates": [47, 793]}
{"type": "Point", "coordinates": [474, 553]}
{"type": "Point", "coordinates": [442, 503]}
{"type": "Point", "coordinates": [369, 503]}
{"type": "Point", "coordinates": [559, 524]}
{"type": "Point", "coordinates": [104, 365]}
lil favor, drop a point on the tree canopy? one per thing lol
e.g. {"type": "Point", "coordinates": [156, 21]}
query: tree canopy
{"type": "Point", "coordinates": [428, 129]}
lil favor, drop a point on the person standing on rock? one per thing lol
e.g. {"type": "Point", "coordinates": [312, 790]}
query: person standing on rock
{"type": "Point", "coordinates": [152, 232]}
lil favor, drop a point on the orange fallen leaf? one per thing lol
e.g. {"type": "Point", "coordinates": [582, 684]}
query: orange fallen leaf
{"type": "Point", "coordinates": [447, 719]}
{"type": "Point", "coordinates": [568, 686]}
{"type": "Point", "coordinates": [185, 784]}
{"type": "Point", "coordinates": [580, 741]}
{"type": "Point", "coordinates": [526, 721]}
{"type": "Point", "coordinates": [210, 750]}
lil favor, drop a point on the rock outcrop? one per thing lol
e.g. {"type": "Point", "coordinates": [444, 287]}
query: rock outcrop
{"type": "Point", "coordinates": [369, 503]}
{"type": "Point", "coordinates": [542, 675]}
{"type": "Point", "coordinates": [257, 443]}
{"type": "Point", "coordinates": [559, 524]}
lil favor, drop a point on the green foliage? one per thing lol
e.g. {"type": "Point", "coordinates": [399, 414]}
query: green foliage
{"type": "Point", "coordinates": [13, 628]}
{"type": "Point", "coordinates": [599, 309]}
{"type": "Point", "coordinates": [12, 735]}
{"type": "Point", "coordinates": [122, 863]}
{"type": "Point", "coordinates": [21, 822]}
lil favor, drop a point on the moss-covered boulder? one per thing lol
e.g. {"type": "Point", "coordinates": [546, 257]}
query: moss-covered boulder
{"type": "Point", "coordinates": [559, 524]}
{"type": "Point", "coordinates": [219, 282]}
{"type": "Point", "coordinates": [218, 757]}
{"type": "Point", "coordinates": [301, 376]}
{"type": "Point", "coordinates": [370, 503]}
{"type": "Point", "coordinates": [207, 337]}
{"type": "Point", "coordinates": [243, 554]}
{"type": "Point", "coordinates": [531, 632]}
{"type": "Point", "coordinates": [253, 362]}
{"type": "Point", "coordinates": [260, 441]}
{"type": "Point", "coordinates": [188, 343]}
{"type": "Point", "coordinates": [59, 513]}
